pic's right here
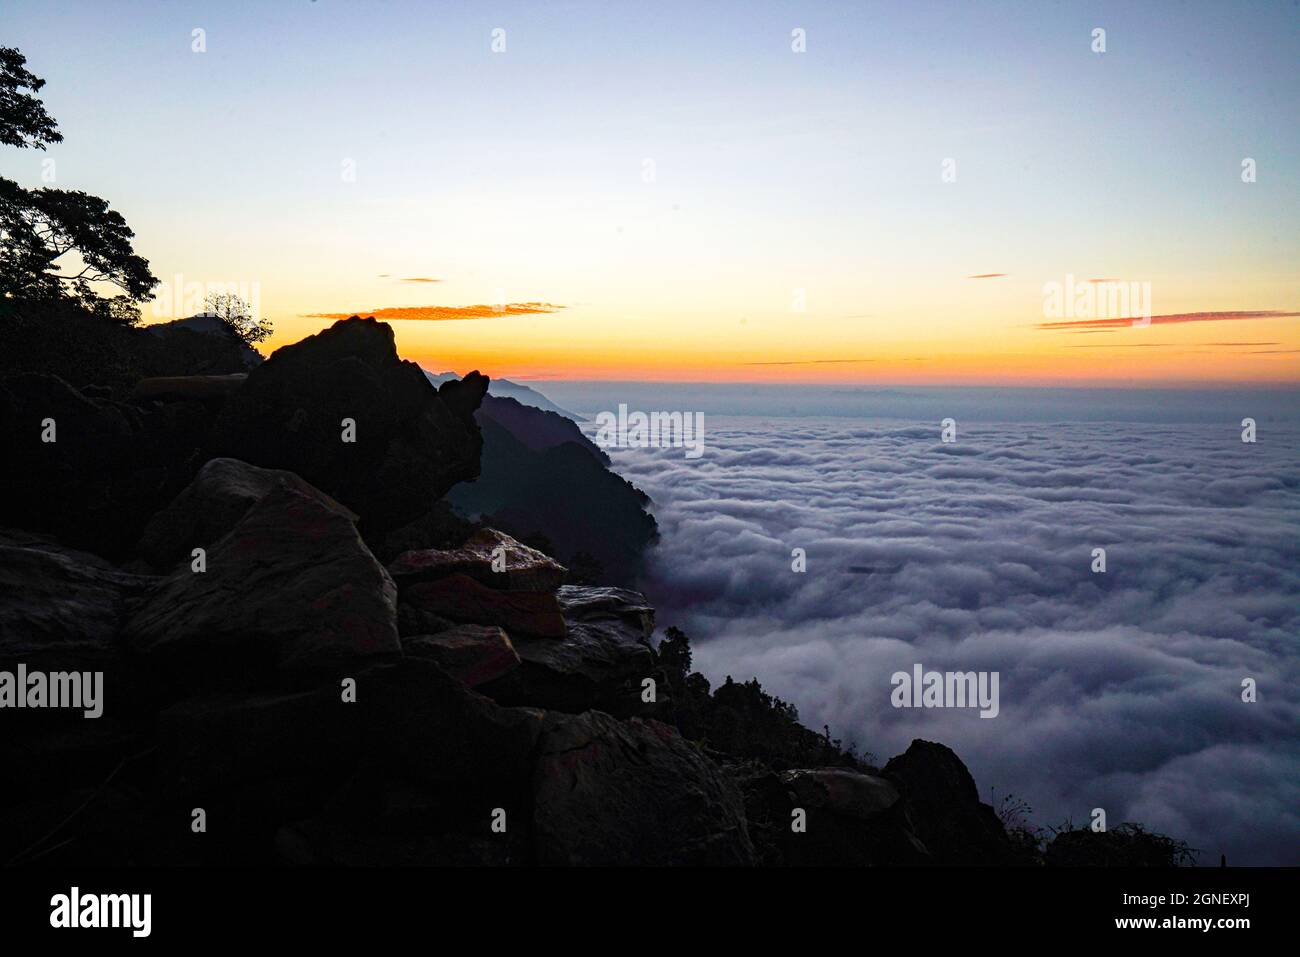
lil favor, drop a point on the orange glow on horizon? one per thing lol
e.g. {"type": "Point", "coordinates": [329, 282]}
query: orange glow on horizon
{"type": "Point", "coordinates": [1268, 355]}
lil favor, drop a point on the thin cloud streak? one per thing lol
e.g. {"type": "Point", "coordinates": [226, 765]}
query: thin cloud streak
{"type": "Point", "coordinates": [1177, 317]}
{"type": "Point", "coordinates": [445, 313]}
{"type": "Point", "coordinates": [806, 362]}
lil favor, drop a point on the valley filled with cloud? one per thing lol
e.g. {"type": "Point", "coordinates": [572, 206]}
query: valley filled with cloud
{"type": "Point", "coordinates": [1120, 690]}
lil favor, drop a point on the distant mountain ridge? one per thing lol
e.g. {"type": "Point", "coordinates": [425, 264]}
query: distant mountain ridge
{"type": "Point", "coordinates": [505, 389]}
{"type": "Point", "coordinates": [543, 479]}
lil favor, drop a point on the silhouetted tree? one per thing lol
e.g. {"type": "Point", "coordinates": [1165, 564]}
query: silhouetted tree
{"type": "Point", "coordinates": [39, 227]}
{"type": "Point", "coordinates": [1127, 845]}
{"type": "Point", "coordinates": [740, 718]}
{"type": "Point", "coordinates": [238, 315]}
{"type": "Point", "coordinates": [23, 120]}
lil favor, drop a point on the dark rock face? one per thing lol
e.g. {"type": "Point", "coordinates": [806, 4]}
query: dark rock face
{"type": "Point", "coordinates": [412, 443]}
{"type": "Point", "coordinates": [59, 607]}
{"type": "Point", "coordinates": [290, 587]}
{"type": "Point", "coordinates": [221, 494]}
{"type": "Point", "coordinates": [430, 727]}
{"type": "Point", "coordinates": [610, 792]}
{"type": "Point", "coordinates": [561, 492]}
{"type": "Point", "coordinates": [853, 819]}
{"type": "Point", "coordinates": [461, 599]}
{"type": "Point", "coordinates": [523, 568]}
{"type": "Point", "coordinates": [224, 740]}
{"type": "Point", "coordinates": [850, 818]}
{"type": "Point", "coordinates": [475, 654]}
{"type": "Point", "coordinates": [601, 663]}
{"type": "Point", "coordinates": [413, 621]}
{"type": "Point", "coordinates": [945, 807]}
{"type": "Point", "coordinates": [94, 487]}
{"type": "Point", "coordinates": [439, 761]}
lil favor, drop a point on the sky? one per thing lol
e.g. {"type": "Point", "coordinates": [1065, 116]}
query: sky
{"type": "Point", "coordinates": [670, 191]}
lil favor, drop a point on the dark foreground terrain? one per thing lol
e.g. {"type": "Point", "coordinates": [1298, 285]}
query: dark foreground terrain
{"type": "Point", "coordinates": [310, 657]}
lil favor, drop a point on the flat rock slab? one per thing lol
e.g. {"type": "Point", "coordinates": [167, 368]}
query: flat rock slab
{"type": "Point", "coordinates": [599, 664]}
{"type": "Point", "coordinates": [473, 653]}
{"type": "Point", "coordinates": [598, 603]}
{"type": "Point", "coordinates": [201, 388]}
{"type": "Point", "coordinates": [522, 568]}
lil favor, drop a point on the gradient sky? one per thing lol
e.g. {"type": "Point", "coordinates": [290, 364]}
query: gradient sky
{"type": "Point", "coordinates": [518, 177]}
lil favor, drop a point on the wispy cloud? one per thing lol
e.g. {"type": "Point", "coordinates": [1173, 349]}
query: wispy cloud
{"type": "Point", "coordinates": [421, 279]}
{"type": "Point", "coordinates": [806, 362]}
{"type": "Point", "coordinates": [445, 313]}
{"type": "Point", "coordinates": [1122, 323]}
{"type": "Point", "coordinates": [987, 275]}
{"type": "Point", "coordinates": [1181, 345]}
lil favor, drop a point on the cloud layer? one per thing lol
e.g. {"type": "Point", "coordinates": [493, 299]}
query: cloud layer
{"type": "Point", "coordinates": [1119, 690]}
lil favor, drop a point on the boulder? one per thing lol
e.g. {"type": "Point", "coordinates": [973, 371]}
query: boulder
{"type": "Point", "coordinates": [945, 807]}
{"type": "Point", "coordinates": [411, 442]}
{"type": "Point", "coordinates": [291, 586]}
{"type": "Point", "coordinates": [600, 663]}
{"type": "Point", "coordinates": [97, 478]}
{"type": "Point", "coordinates": [615, 793]}
{"type": "Point", "coordinates": [853, 819]}
{"type": "Point", "coordinates": [597, 604]}
{"type": "Point", "coordinates": [522, 568]}
{"type": "Point", "coordinates": [767, 808]}
{"type": "Point", "coordinates": [60, 607]}
{"type": "Point", "coordinates": [210, 506]}
{"type": "Point", "coordinates": [463, 600]}
{"type": "Point", "coordinates": [473, 653]}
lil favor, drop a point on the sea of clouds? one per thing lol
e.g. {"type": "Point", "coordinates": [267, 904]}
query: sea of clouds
{"type": "Point", "coordinates": [1119, 690]}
